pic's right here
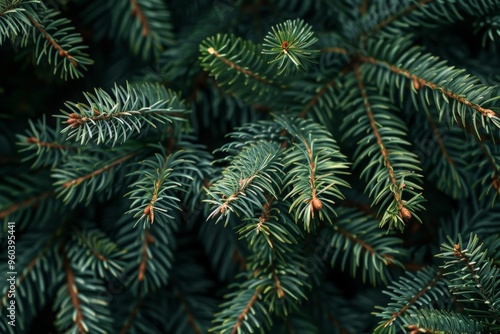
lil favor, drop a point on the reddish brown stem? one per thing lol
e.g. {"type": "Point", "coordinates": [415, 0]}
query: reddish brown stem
{"type": "Point", "coordinates": [148, 239]}
{"type": "Point", "coordinates": [56, 146]}
{"type": "Point", "coordinates": [440, 141]}
{"type": "Point", "coordinates": [28, 202]}
{"type": "Point", "coordinates": [73, 292]}
{"type": "Point", "coordinates": [190, 317]}
{"type": "Point", "coordinates": [136, 11]}
{"type": "Point", "coordinates": [240, 69]}
{"type": "Point", "coordinates": [412, 301]}
{"type": "Point", "coordinates": [404, 212]}
{"type": "Point", "coordinates": [132, 316]}
{"type": "Point", "coordinates": [245, 311]}
{"type": "Point", "coordinates": [55, 45]}
{"type": "Point", "coordinates": [420, 82]}
{"type": "Point", "coordinates": [397, 15]}
{"type": "Point", "coordinates": [98, 171]}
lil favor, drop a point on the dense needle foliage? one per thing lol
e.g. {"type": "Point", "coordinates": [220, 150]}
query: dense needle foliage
{"type": "Point", "coordinates": [230, 166]}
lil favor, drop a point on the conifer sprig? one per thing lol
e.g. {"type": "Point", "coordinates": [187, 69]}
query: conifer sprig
{"type": "Point", "coordinates": [290, 43]}
{"type": "Point", "coordinates": [112, 119]}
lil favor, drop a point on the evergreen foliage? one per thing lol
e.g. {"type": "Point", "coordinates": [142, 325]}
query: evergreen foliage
{"type": "Point", "coordinates": [250, 166]}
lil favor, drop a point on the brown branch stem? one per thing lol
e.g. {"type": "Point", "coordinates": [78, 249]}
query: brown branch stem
{"type": "Point", "coordinates": [136, 11]}
{"type": "Point", "coordinates": [148, 239]}
{"type": "Point", "coordinates": [245, 311]}
{"type": "Point", "coordinates": [55, 45]}
{"type": "Point", "coordinates": [420, 82]}
{"type": "Point", "coordinates": [240, 69]}
{"type": "Point", "coordinates": [70, 277]}
{"type": "Point", "coordinates": [28, 202]}
{"type": "Point", "coordinates": [440, 141]}
{"type": "Point", "coordinates": [51, 145]}
{"type": "Point", "coordinates": [412, 301]}
{"type": "Point", "coordinates": [132, 316]}
{"type": "Point", "coordinates": [404, 212]}
{"type": "Point", "coordinates": [190, 317]}
{"type": "Point", "coordinates": [397, 15]}
{"type": "Point", "coordinates": [99, 171]}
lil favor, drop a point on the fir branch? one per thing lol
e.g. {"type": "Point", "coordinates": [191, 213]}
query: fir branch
{"type": "Point", "coordinates": [228, 58]}
{"type": "Point", "coordinates": [315, 165]}
{"type": "Point", "coordinates": [412, 290]}
{"type": "Point", "coordinates": [360, 247]}
{"type": "Point", "coordinates": [106, 257]}
{"type": "Point", "coordinates": [403, 211]}
{"type": "Point", "coordinates": [476, 287]}
{"type": "Point", "coordinates": [62, 53]}
{"type": "Point", "coordinates": [39, 251]}
{"type": "Point", "coordinates": [14, 18]}
{"type": "Point", "coordinates": [493, 176]}
{"type": "Point", "coordinates": [187, 309]}
{"type": "Point", "coordinates": [432, 321]}
{"type": "Point", "coordinates": [156, 189]}
{"type": "Point", "coordinates": [257, 168]}
{"type": "Point", "coordinates": [47, 145]}
{"type": "Point", "coordinates": [411, 6]}
{"type": "Point", "coordinates": [84, 177]}
{"type": "Point", "coordinates": [463, 93]}
{"type": "Point", "coordinates": [148, 257]}
{"type": "Point", "coordinates": [243, 315]}
{"type": "Point", "coordinates": [389, 176]}
{"type": "Point", "coordinates": [114, 118]}
{"type": "Point", "coordinates": [244, 308]}
{"type": "Point", "coordinates": [13, 207]}
{"type": "Point", "coordinates": [238, 68]}
{"type": "Point", "coordinates": [441, 149]}
{"type": "Point", "coordinates": [324, 89]}
{"type": "Point", "coordinates": [81, 306]}
{"type": "Point", "coordinates": [440, 141]}
{"type": "Point", "coordinates": [136, 11]}
{"type": "Point", "coordinates": [422, 82]}
{"type": "Point", "coordinates": [146, 26]}
{"type": "Point", "coordinates": [54, 41]}
{"type": "Point", "coordinates": [291, 43]}
{"type": "Point", "coordinates": [106, 168]}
